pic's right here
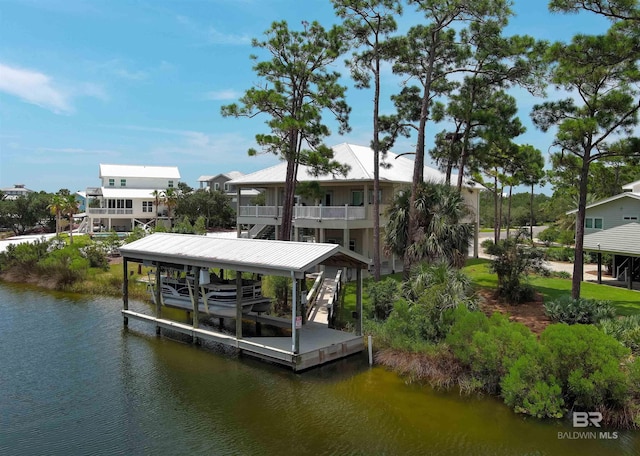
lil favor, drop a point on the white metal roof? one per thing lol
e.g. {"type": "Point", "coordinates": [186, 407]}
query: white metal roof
{"type": "Point", "coordinates": [252, 255]}
{"type": "Point", "coordinates": [109, 192]}
{"type": "Point", "coordinates": [359, 159]}
{"type": "Point", "coordinates": [163, 172]}
{"type": "Point", "coordinates": [623, 240]}
{"type": "Point", "coordinates": [633, 186]}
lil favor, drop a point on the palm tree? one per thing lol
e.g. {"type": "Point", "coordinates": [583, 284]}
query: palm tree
{"type": "Point", "coordinates": [439, 236]}
{"type": "Point", "coordinates": [56, 207]}
{"type": "Point", "coordinates": [170, 198]}
{"type": "Point", "coordinates": [70, 207]}
{"type": "Point", "coordinates": [157, 195]}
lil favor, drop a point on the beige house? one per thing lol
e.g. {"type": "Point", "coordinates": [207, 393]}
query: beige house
{"type": "Point", "coordinates": [126, 196]}
{"type": "Point", "coordinates": [343, 214]}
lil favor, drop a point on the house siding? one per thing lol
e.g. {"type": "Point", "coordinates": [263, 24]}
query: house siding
{"type": "Point", "coordinates": [612, 213]}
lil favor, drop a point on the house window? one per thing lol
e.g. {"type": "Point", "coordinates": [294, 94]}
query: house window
{"type": "Point", "coordinates": [630, 218]}
{"type": "Point", "coordinates": [170, 184]}
{"type": "Point", "coordinates": [357, 198]}
{"type": "Point", "coordinates": [123, 182]}
{"type": "Point", "coordinates": [147, 206]}
{"type": "Point", "coordinates": [216, 186]}
{"type": "Point", "coordinates": [226, 186]}
{"type": "Point", "coordinates": [112, 182]}
{"type": "Point", "coordinates": [352, 245]}
{"type": "Point", "coordinates": [595, 223]}
{"type": "Point", "coordinates": [119, 204]}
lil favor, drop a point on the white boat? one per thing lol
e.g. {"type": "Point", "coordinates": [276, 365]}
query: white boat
{"type": "Point", "coordinates": [218, 297]}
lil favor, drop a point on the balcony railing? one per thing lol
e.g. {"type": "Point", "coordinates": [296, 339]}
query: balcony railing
{"type": "Point", "coordinates": [345, 212]}
{"type": "Point", "coordinates": [102, 211]}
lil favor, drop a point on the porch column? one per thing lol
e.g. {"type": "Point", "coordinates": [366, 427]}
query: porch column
{"type": "Point", "coordinates": [125, 289]}
{"type": "Point", "coordinates": [238, 305]}
{"type": "Point", "coordinates": [359, 301]}
{"type": "Point", "coordinates": [630, 273]}
{"type": "Point", "coordinates": [195, 301]}
{"type": "Point", "coordinates": [295, 337]}
{"type": "Point", "coordinates": [158, 292]}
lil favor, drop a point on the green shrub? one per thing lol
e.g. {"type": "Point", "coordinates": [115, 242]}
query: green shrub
{"type": "Point", "coordinates": [571, 311]}
{"type": "Point", "coordinates": [586, 363]}
{"type": "Point", "coordinates": [566, 237]}
{"type": "Point", "coordinates": [24, 256]}
{"type": "Point", "coordinates": [549, 235]}
{"type": "Point", "coordinates": [96, 255]}
{"type": "Point", "coordinates": [382, 296]}
{"type": "Point", "coordinates": [465, 324]}
{"type": "Point", "coordinates": [200, 226]}
{"type": "Point", "coordinates": [440, 285]}
{"type": "Point", "coordinates": [565, 254]}
{"type": "Point", "coordinates": [512, 263]}
{"type": "Point", "coordinates": [493, 352]}
{"type": "Point", "coordinates": [64, 266]}
{"type": "Point", "coordinates": [625, 330]}
{"type": "Point", "coordinates": [137, 233]}
{"type": "Point", "coordinates": [409, 327]}
{"type": "Point", "coordinates": [529, 388]}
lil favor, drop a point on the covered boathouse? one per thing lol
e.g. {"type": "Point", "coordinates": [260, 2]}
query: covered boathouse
{"type": "Point", "coordinates": [310, 344]}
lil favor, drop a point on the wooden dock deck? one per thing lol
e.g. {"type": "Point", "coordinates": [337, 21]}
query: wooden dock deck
{"type": "Point", "coordinates": [318, 343]}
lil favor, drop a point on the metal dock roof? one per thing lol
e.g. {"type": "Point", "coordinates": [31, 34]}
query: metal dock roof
{"type": "Point", "coordinates": [251, 255]}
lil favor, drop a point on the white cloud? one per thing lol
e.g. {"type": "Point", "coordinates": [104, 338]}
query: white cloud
{"type": "Point", "coordinates": [217, 95]}
{"type": "Point", "coordinates": [35, 88]}
{"type": "Point", "coordinates": [211, 34]}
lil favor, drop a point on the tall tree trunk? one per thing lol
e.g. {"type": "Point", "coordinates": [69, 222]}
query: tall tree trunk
{"type": "Point", "coordinates": [376, 173]}
{"type": "Point", "coordinates": [509, 211]}
{"type": "Point", "coordinates": [578, 266]}
{"type": "Point", "coordinates": [531, 214]}
{"type": "Point", "coordinates": [287, 204]}
{"type": "Point", "coordinates": [496, 215]}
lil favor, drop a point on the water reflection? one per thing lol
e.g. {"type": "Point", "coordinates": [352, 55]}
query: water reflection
{"type": "Point", "coordinates": [74, 381]}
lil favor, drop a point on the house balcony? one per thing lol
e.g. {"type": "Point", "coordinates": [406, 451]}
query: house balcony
{"type": "Point", "coordinates": [311, 216]}
{"type": "Point", "coordinates": [103, 211]}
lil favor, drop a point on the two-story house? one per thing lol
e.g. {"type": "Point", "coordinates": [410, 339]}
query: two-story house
{"type": "Point", "coordinates": [126, 196]}
{"type": "Point", "coordinates": [220, 182]}
{"type": "Point", "coordinates": [612, 226]}
{"type": "Point", "coordinates": [343, 213]}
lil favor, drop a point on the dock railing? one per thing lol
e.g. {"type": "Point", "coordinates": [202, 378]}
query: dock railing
{"type": "Point", "coordinates": [313, 293]}
{"type": "Point", "coordinates": [332, 307]}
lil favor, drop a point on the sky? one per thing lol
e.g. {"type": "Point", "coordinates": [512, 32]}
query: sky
{"type": "Point", "coordinates": [142, 83]}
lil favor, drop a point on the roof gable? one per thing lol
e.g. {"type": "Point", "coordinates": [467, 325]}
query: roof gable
{"type": "Point", "coordinates": [608, 200]}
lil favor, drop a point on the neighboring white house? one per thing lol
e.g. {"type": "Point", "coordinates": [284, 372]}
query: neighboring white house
{"type": "Point", "coordinates": [15, 192]}
{"type": "Point", "coordinates": [344, 212]}
{"type": "Point", "coordinates": [126, 196]}
{"type": "Point", "coordinates": [220, 182]}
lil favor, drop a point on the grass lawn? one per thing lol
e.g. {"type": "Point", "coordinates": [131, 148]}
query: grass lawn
{"type": "Point", "coordinates": [626, 302]}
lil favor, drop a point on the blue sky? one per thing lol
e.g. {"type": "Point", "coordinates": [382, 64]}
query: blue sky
{"type": "Point", "coordinates": [142, 82]}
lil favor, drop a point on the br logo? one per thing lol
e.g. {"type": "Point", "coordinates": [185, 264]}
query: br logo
{"type": "Point", "coordinates": [585, 419]}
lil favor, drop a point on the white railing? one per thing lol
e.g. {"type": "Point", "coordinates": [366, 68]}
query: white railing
{"type": "Point", "coordinates": [101, 211]}
{"type": "Point", "coordinates": [345, 212]}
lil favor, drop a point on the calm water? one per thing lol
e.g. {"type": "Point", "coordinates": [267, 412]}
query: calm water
{"type": "Point", "coordinates": [73, 381]}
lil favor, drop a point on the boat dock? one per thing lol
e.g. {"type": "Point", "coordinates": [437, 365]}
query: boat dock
{"type": "Point", "coordinates": [310, 344]}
